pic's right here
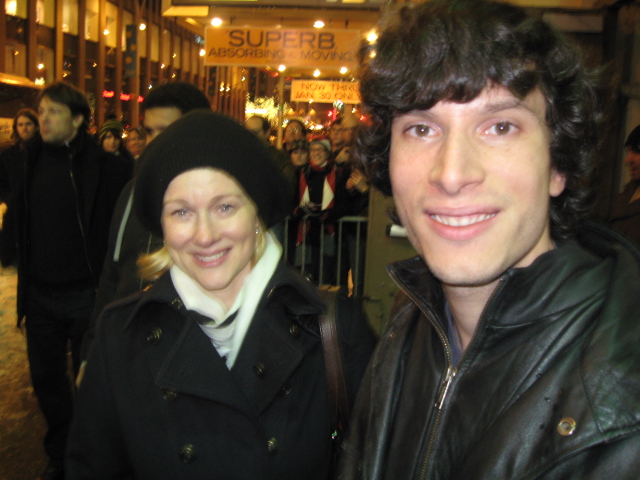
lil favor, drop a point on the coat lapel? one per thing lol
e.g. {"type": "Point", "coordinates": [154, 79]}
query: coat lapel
{"type": "Point", "coordinates": [268, 358]}
{"type": "Point", "coordinates": [194, 367]}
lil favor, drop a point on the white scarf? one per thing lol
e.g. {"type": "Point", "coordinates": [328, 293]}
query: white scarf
{"type": "Point", "coordinates": [228, 339]}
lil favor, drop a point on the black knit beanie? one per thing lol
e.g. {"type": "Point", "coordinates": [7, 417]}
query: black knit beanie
{"type": "Point", "coordinates": [203, 139]}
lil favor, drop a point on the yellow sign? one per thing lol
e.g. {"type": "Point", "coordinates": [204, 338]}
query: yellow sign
{"type": "Point", "coordinates": [325, 92]}
{"type": "Point", "coordinates": [294, 48]}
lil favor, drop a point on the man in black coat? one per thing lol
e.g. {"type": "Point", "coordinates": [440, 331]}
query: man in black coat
{"type": "Point", "coordinates": [63, 211]}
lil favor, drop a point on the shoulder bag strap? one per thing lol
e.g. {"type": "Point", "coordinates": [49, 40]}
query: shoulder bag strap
{"type": "Point", "coordinates": [336, 383]}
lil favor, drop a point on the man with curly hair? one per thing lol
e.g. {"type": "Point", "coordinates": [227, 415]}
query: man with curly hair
{"type": "Point", "coordinates": [512, 348]}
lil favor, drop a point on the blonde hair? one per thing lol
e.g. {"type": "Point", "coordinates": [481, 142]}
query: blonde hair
{"type": "Point", "coordinates": [153, 265]}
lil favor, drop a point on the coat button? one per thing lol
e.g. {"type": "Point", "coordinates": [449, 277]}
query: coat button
{"type": "Point", "coordinates": [286, 390]}
{"type": "Point", "coordinates": [294, 330]}
{"type": "Point", "coordinates": [169, 394]}
{"type": "Point", "coordinates": [272, 446]}
{"type": "Point", "coordinates": [187, 454]}
{"type": "Point", "coordinates": [154, 336]}
{"type": "Point", "coordinates": [566, 426]}
{"type": "Point", "coordinates": [259, 369]}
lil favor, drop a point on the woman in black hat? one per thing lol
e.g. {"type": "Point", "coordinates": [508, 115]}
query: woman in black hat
{"type": "Point", "coordinates": [217, 370]}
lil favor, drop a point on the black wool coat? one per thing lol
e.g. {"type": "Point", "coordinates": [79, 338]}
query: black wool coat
{"type": "Point", "coordinates": [100, 177]}
{"type": "Point", "coordinates": [158, 402]}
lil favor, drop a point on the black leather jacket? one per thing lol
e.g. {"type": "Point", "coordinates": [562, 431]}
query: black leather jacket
{"type": "Point", "coordinates": [548, 388]}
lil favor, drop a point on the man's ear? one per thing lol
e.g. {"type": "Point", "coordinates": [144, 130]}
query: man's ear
{"type": "Point", "coordinates": [77, 121]}
{"type": "Point", "coordinates": [557, 183]}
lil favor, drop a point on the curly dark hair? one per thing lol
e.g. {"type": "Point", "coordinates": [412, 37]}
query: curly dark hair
{"type": "Point", "coordinates": [451, 50]}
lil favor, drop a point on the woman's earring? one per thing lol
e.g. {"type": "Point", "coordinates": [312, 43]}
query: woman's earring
{"type": "Point", "coordinates": [257, 231]}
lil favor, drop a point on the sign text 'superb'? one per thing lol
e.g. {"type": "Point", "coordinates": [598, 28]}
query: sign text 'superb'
{"type": "Point", "coordinates": [325, 92]}
{"type": "Point", "coordinates": [293, 48]}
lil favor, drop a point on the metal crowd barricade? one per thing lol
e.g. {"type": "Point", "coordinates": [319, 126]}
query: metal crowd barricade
{"type": "Point", "coordinates": [358, 257]}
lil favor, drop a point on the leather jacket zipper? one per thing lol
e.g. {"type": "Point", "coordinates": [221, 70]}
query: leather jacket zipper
{"type": "Point", "coordinates": [442, 395]}
{"type": "Point", "coordinates": [448, 375]}
{"type": "Point", "coordinates": [445, 386]}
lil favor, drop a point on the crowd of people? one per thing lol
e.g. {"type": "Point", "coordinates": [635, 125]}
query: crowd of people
{"type": "Point", "coordinates": [181, 265]}
{"type": "Point", "coordinates": [326, 187]}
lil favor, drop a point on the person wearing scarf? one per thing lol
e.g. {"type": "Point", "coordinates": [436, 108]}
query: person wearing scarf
{"type": "Point", "coordinates": [216, 371]}
{"type": "Point", "coordinates": [321, 202]}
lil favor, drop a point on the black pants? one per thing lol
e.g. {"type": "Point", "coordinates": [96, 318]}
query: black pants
{"type": "Point", "coordinates": [56, 321]}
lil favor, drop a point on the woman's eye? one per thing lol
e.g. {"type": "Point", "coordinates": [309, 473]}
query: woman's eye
{"type": "Point", "coordinates": [181, 212]}
{"type": "Point", "coordinates": [226, 208]}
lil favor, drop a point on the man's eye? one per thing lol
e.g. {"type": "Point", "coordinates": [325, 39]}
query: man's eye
{"type": "Point", "coordinates": [501, 128]}
{"type": "Point", "coordinates": [421, 130]}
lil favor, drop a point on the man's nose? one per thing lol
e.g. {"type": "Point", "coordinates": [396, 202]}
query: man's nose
{"type": "Point", "coordinates": [456, 164]}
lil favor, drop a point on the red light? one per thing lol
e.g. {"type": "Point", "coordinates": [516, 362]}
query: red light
{"type": "Point", "coordinates": [125, 97]}
{"type": "Point", "coordinates": [108, 93]}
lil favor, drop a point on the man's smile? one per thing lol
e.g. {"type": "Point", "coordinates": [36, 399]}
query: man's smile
{"type": "Point", "coordinates": [462, 220]}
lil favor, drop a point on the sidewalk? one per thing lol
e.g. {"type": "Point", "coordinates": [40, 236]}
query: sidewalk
{"type": "Point", "coordinates": [22, 426]}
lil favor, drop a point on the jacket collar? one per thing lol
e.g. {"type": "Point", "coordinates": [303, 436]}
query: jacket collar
{"type": "Point", "coordinates": [192, 366]}
{"type": "Point", "coordinates": [297, 295]}
{"type": "Point", "coordinates": [553, 283]}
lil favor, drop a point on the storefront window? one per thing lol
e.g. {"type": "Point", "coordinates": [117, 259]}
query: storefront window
{"type": "Point", "coordinates": [45, 73]}
{"type": "Point", "coordinates": [46, 12]}
{"type": "Point", "coordinates": [17, 8]}
{"type": "Point", "coordinates": [110, 31]}
{"type": "Point", "coordinates": [16, 59]}
{"type": "Point", "coordinates": [70, 16]}
{"type": "Point", "coordinates": [91, 20]}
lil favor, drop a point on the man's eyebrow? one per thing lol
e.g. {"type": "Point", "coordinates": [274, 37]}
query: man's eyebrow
{"type": "Point", "coordinates": [499, 106]}
{"type": "Point", "coordinates": [489, 107]}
